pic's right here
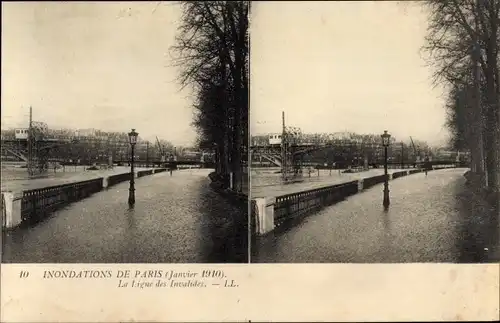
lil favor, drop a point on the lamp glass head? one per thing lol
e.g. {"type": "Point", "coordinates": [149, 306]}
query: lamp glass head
{"type": "Point", "coordinates": [385, 138]}
{"type": "Point", "coordinates": [132, 136]}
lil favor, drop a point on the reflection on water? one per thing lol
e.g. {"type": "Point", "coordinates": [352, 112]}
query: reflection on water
{"type": "Point", "coordinates": [266, 176]}
{"type": "Point", "coordinates": [175, 219]}
{"type": "Point", "coordinates": [271, 176]}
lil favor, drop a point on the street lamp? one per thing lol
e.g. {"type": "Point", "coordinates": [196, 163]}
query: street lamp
{"type": "Point", "coordinates": [132, 136]}
{"type": "Point", "coordinates": [402, 155]}
{"type": "Point", "coordinates": [385, 142]}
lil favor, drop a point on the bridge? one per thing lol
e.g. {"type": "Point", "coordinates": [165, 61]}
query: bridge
{"type": "Point", "coordinates": [17, 149]}
{"type": "Point", "coordinates": [50, 151]}
{"type": "Point", "coordinates": [341, 154]}
{"type": "Point", "coordinates": [292, 149]}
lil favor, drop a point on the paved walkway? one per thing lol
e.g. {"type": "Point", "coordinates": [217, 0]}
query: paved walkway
{"type": "Point", "coordinates": [431, 218]}
{"type": "Point", "coordinates": [325, 178]}
{"type": "Point", "coordinates": [176, 219]}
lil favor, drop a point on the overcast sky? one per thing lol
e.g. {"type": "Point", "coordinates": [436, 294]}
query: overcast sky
{"type": "Point", "coordinates": [332, 66]}
{"type": "Point", "coordinates": [343, 66]}
{"type": "Point", "coordinates": [94, 65]}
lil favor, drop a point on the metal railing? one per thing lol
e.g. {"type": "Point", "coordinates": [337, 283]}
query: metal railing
{"type": "Point", "coordinates": [115, 179]}
{"type": "Point", "coordinates": [144, 173]}
{"type": "Point", "coordinates": [372, 181]}
{"type": "Point", "coordinates": [398, 174]}
{"type": "Point", "coordinates": [291, 206]}
{"type": "Point", "coordinates": [37, 203]}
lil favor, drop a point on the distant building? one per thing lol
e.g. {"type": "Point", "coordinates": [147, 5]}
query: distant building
{"type": "Point", "coordinates": [85, 132]}
{"type": "Point", "coordinates": [343, 135]}
{"type": "Point", "coordinates": [191, 152]}
{"type": "Point", "coordinates": [443, 152]}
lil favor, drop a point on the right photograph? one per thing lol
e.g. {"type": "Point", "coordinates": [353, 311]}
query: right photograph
{"type": "Point", "coordinates": [375, 132]}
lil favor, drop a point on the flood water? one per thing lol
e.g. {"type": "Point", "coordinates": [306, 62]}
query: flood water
{"type": "Point", "coordinates": [176, 219]}
{"type": "Point", "coordinates": [431, 218]}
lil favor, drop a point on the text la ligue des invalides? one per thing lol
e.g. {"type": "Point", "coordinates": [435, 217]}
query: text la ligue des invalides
{"type": "Point", "coordinates": [136, 278]}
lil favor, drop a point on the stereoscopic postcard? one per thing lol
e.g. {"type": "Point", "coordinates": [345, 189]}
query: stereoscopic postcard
{"type": "Point", "coordinates": [250, 161]}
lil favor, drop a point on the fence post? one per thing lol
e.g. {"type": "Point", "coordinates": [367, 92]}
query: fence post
{"type": "Point", "coordinates": [11, 209]}
{"type": "Point", "coordinates": [105, 181]}
{"type": "Point", "coordinates": [360, 185]}
{"type": "Point", "coordinates": [265, 215]}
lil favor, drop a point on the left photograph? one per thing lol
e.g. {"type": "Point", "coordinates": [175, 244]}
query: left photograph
{"type": "Point", "coordinates": [124, 132]}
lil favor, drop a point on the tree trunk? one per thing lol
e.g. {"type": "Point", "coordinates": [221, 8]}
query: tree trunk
{"type": "Point", "coordinates": [490, 115]}
{"type": "Point", "coordinates": [236, 153]}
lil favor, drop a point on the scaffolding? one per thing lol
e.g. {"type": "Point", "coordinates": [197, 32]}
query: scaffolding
{"type": "Point", "coordinates": [38, 149]}
{"type": "Point", "coordinates": [291, 163]}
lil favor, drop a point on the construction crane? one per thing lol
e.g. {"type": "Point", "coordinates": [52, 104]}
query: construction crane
{"type": "Point", "coordinates": [417, 153]}
{"type": "Point", "coordinates": [162, 151]}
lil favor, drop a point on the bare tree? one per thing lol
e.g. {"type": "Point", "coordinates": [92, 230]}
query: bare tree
{"type": "Point", "coordinates": [212, 53]}
{"type": "Point", "coordinates": [463, 35]}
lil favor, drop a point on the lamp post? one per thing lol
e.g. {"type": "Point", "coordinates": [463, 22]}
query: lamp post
{"type": "Point", "coordinates": [132, 136]}
{"type": "Point", "coordinates": [147, 154]}
{"type": "Point", "coordinates": [385, 142]}
{"type": "Point", "coordinates": [402, 155]}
